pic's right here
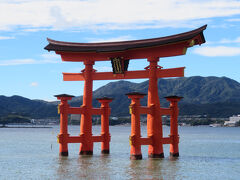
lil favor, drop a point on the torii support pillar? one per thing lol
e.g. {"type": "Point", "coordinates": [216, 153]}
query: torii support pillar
{"type": "Point", "coordinates": [63, 135]}
{"type": "Point", "coordinates": [174, 152]}
{"type": "Point", "coordinates": [86, 147]}
{"type": "Point", "coordinates": [154, 120]}
{"type": "Point", "coordinates": [105, 123]}
{"type": "Point", "coordinates": [135, 141]}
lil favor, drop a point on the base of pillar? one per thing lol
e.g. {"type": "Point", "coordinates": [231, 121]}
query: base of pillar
{"type": "Point", "coordinates": [174, 154]}
{"type": "Point", "coordinates": [86, 153]}
{"type": "Point", "coordinates": [63, 153]}
{"type": "Point", "coordinates": [136, 157]}
{"type": "Point", "coordinates": [156, 155]}
{"type": "Point", "coordinates": [105, 151]}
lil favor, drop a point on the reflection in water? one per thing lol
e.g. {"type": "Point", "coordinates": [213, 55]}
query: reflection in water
{"type": "Point", "coordinates": [63, 168]}
{"type": "Point", "coordinates": [174, 159]}
{"type": "Point", "coordinates": [107, 167]}
{"type": "Point", "coordinates": [174, 164]}
{"type": "Point", "coordinates": [135, 171]}
{"type": "Point", "coordinates": [94, 167]}
{"type": "Point", "coordinates": [153, 169]}
{"type": "Point", "coordinates": [85, 167]}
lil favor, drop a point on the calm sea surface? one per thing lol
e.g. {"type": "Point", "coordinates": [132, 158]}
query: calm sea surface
{"type": "Point", "coordinates": [205, 153]}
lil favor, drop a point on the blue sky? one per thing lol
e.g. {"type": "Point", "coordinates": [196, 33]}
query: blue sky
{"type": "Point", "coordinates": [26, 69]}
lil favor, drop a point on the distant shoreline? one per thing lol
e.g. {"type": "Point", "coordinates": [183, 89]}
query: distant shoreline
{"type": "Point", "coordinates": [25, 127]}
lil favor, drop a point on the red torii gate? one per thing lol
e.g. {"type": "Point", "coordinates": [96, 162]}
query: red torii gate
{"type": "Point", "coordinates": [119, 53]}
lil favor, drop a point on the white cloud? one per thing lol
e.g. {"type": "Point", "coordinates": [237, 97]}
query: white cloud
{"type": "Point", "coordinates": [46, 59]}
{"type": "Point", "coordinates": [34, 84]}
{"type": "Point", "coordinates": [6, 37]}
{"type": "Point", "coordinates": [110, 14]}
{"type": "Point", "coordinates": [16, 62]}
{"type": "Point", "coordinates": [224, 41]}
{"type": "Point", "coordinates": [50, 56]}
{"type": "Point", "coordinates": [234, 20]}
{"type": "Point", "coordinates": [216, 51]}
{"type": "Point", "coordinates": [120, 38]}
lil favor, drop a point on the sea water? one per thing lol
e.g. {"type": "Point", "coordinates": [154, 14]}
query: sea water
{"type": "Point", "coordinates": [205, 153]}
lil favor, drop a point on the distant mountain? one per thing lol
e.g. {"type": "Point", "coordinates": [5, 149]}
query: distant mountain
{"type": "Point", "coordinates": [202, 89]}
{"type": "Point", "coordinates": [26, 107]}
{"type": "Point", "coordinates": [217, 97]}
{"type": "Point", "coordinates": [198, 92]}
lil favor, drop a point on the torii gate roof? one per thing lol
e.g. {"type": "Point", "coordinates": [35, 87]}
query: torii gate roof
{"type": "Point", "coordinates": [158, 47]}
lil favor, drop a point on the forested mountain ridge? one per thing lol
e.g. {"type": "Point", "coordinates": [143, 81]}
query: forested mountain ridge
{"type": "Point", "coordinates": [215, 96]}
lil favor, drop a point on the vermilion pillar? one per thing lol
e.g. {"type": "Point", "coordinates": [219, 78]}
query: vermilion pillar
{"type": "Point", "coordinates": [105, 123]}
{"type": "Point", "coordinates": [154, 120]}
{"type": "Point", "coordinates": [174, 152]}
{"type": "Point", "coordinates": [135, 142]}
{"type": "Point", "coordinates": [86, 146]}
{"type": "Point", "coordinates": [63, 135]}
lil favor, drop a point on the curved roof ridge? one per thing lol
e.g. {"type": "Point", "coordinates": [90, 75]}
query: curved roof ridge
{"type": "Point", "coordinates": [122, 45]}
